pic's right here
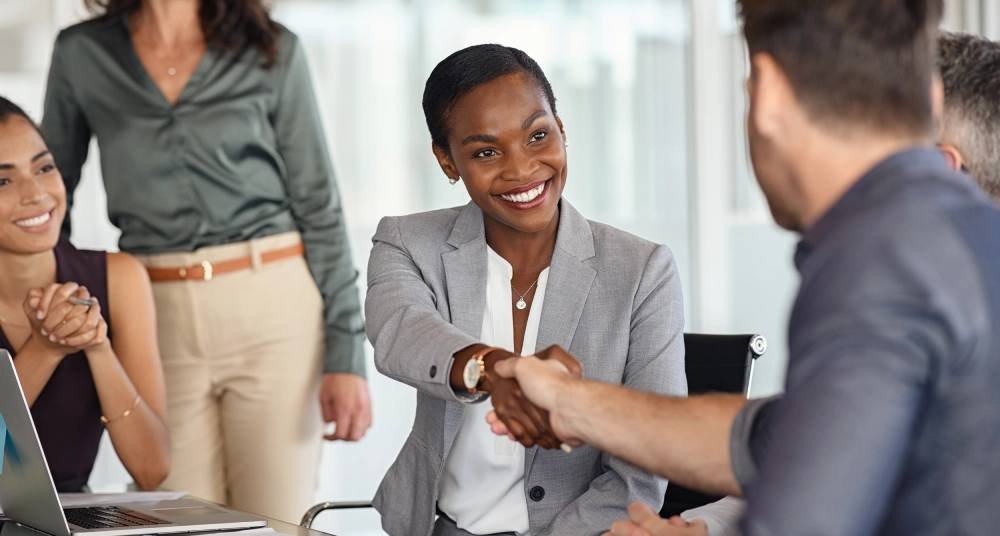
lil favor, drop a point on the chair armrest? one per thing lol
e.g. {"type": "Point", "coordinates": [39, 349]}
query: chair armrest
{"type": "Point", "coordinates": [758, 345]}
{"type": "Point", "coordinates": [310, 515]}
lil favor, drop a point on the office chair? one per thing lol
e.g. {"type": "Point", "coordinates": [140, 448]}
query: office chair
{"type": "Point", "coordinates": [712, 363]}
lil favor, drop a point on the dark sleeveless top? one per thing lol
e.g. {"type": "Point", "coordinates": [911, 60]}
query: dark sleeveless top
{"type": "Point", "coordinates": [67, 413]}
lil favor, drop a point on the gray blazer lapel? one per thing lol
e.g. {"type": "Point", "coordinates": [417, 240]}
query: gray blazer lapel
{"type": "Point", "coordinates": [568, 287]}
{"type": "Point", "coordinates": [465, 271]}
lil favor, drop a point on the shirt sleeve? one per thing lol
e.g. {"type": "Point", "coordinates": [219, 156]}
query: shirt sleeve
{"type": "Point", "coordinates": [877, 330]}
{"type": "Point", "coordinates": [64, 125]}
{"type": "Point", "coordinates": [748, 438]}
{"type": "Point", "coordinates": [316, 206]}
{"type": "Point", "coordinates": [837, 441]}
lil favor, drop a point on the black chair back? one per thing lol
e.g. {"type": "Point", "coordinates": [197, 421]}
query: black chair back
{"type": "Point", "coordinates": [713, 364]}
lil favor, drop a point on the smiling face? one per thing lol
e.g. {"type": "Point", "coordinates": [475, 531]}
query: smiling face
{"type": "Point", "coordinates": [32, 194]}
{"type": "Point", "coordinates": [508, 147]}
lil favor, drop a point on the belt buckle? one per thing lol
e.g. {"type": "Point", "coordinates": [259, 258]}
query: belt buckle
{"type": "Point", "coordinates": [207, 267]}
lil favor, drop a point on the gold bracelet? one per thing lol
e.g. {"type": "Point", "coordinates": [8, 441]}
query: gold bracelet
{"type": "Point", "coordinates": [128, 412]}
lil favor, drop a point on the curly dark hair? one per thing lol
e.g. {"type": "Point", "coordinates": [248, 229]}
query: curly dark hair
{"type": "Point", "coordinates": [228, 25]}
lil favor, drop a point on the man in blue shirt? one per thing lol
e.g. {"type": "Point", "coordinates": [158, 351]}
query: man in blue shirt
{"type": "Point", "coordinates": [890, 423]}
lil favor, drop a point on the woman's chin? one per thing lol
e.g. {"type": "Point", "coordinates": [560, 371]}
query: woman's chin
{"type": "Point", "coordinates": [30, 245]}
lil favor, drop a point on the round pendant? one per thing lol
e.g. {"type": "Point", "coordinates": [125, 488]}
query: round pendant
{"type": "Point", "coordinates": [171, 71]}
{"type": "Point", "coordinates": [520, 304]}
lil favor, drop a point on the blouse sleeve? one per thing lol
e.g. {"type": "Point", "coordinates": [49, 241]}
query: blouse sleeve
{"type": "Point", "coordinates": [63, 123]}
{"type": "Point", "coordinates": [316, 206]}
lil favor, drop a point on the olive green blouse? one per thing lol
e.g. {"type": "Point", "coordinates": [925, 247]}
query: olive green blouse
{"type": "Point", "coordinates": [240, 155]}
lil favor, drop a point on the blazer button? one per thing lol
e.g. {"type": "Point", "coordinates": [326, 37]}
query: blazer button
{"type": "Point", "coordinates": [537, 493]}
{"type": "Point", "coordinates": [434, 370]}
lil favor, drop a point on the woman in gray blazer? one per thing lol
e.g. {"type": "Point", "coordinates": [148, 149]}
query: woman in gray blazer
{"type": "Point", "coordinates": [516, 271]}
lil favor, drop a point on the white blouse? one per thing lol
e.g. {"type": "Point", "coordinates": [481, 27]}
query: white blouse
{"type": "Point", "coordinates": [482, 487]}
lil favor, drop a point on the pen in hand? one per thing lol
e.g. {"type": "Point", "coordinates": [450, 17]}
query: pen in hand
{"type": "Point", "coordinates": [82, 301]}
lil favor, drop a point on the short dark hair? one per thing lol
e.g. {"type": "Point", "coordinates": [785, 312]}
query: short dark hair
{"type": "Point", "coordinates": [852, 62]}
{"type": "Point", "coordinates": [8, 110]}
{"type": "Point", "coordinates": [467, 69]}
{"type": "Point", "coordinates": [970, 70]}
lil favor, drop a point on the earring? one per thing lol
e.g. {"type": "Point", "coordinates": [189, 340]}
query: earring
{"type": "Point", "coordinates": [567, 145]}
{"type": "Point", "coordinates": [452, 180]}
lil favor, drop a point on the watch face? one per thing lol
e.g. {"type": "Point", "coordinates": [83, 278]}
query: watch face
{"type": "Point", "coordinates": [471, 374]}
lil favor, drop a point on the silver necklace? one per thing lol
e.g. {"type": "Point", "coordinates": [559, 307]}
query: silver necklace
{"type": "Point", "coordinates": [521, 304]}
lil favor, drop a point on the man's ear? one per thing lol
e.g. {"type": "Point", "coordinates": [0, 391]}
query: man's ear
{"type": "Point", "coordinates": [771, 96]}
{"type": "Point", "coordinates": [952, 155]}
{"type": "Point", "coordinates": [445, 161]}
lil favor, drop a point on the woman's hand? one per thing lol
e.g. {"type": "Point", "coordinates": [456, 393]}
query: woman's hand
{"type": "Point", "coordinates": [62, 326]}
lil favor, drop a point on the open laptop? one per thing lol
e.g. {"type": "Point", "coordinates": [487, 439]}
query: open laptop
{"type": "Point", "coordinates": [28, 496]}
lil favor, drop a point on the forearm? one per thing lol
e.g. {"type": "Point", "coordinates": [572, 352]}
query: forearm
{"type": "Point", "coordinates": [35, 365]}
{"type": "Point", "coordinates": [685, 440]}
{"type": "Point", "coordinates": [141, 439]}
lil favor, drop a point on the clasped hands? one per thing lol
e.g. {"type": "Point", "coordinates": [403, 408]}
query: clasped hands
{"type": "Point", "coordinates": [60, 326]}
{"type": "Point", "coordinates": [525, 390]}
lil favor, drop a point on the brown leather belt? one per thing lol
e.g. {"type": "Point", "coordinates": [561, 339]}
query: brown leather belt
{"type": "Point", "coordinates": [207, 270]}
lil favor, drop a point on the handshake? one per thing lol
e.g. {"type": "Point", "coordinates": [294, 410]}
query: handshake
{"type": "Point", "coordinates": [526, 392]}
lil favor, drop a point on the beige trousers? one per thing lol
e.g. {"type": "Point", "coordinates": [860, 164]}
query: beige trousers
{"type": "Point", "coordinates": [242, 356]}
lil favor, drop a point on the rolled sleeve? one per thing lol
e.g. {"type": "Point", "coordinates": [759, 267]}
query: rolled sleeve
{"type": "Point", "coordinates": [748, 438]}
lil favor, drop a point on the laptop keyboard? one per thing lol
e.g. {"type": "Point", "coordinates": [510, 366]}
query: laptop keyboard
{"type": "Point", "coordinates": [109, 517]}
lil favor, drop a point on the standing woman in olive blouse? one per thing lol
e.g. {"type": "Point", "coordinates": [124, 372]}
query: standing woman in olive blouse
{"type": "Point", "coordinates": [218, 176]}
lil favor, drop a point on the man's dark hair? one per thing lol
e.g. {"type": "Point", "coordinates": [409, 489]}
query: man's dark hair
{"type": "Point", "coordinates": [970, 69]}
{"type": "Point", "coordinates": [8, 110]}
{"type": "Point", "coordinates": [852, 62]}
{"type": "Point", "coordinates": [467, 69]}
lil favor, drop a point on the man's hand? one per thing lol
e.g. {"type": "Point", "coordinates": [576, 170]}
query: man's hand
{"type": "Point", "coordinates": [542, 379]}
{"type": "Point", "coordinates": [523, 421]}
{"type": "Point", "coordinates": [643, 521]}
{"type": "Point", "coordinates": [345, 401]}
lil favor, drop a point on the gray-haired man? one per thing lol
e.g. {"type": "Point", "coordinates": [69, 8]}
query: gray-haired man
{"type": "Point", "coordinates": [969, 129]}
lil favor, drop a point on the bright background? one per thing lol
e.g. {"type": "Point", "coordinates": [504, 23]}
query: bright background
{"type": "Point", "coordinates": [651, 94]}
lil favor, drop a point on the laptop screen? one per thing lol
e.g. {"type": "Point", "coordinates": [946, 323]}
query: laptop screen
{"type": "Point", "coordinates": [27, 494]}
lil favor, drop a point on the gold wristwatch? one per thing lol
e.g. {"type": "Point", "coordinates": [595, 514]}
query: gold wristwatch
{"type": "Point", "coordinates": [475, 370]}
